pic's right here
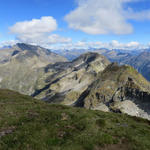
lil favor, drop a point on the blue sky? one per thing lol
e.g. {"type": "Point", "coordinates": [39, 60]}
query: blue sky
{"type": "Point", "coordinates": [76, 22]}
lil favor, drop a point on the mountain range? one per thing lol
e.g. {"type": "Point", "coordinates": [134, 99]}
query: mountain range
{"type": "Point", "coordinates": [139, 59]}
{"type": "Point", "coordinates": [89, 81]}
{"type": "Point", "coordinates": [107, 102]}
{"type": "Point", "coordinates": [141, 63]}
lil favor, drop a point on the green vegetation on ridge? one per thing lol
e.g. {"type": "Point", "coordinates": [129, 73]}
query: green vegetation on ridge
{"type": "Point", "coordinates": [26, 123]}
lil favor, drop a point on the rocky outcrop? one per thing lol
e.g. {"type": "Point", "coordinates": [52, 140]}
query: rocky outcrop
{"type": "Point", "coordinates": [118, 89]}
{"type": "Point", "coordinates": [64, 82]}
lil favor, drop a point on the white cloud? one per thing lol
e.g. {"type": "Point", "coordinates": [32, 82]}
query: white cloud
{"type": "Point", "coordinates": [104, 17]}
{"type": "Point", "coordinates": [133, 45]}
{"type": "Point", "coordinates": [68, 45]}
{"type": "Point", "coordinates": [54, 38]}
{"type": "Point", "coordinates": [128, 46]}
{"type": "Point", "coordinates": [8, 43]}
{"type": "Point", "coordinates": [35, 26]}
{"type": "Point", "coordinates": [43, 39]}
{"type": "Point", "coordinates": [38, 31]}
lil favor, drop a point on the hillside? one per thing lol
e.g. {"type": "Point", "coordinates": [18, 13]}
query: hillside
{"type": "Point", "coordinates": [26, 123]}
{"type": "Point", "coordinates": [64, 82]}
{"type": "Point", "coordinates": [113, 55]}
{"type": "Point", "coordinates": [119, 89]}
{"type": "Point", "coordinates": [22, 65]}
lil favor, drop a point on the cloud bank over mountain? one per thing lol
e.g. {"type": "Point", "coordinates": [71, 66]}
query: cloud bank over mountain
{"type": "Point", "coordinates": [133, 45]}
{"type": "Point", "coordinates": [114, 44]}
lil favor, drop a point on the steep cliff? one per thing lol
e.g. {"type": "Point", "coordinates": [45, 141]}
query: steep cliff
{"type": "Point", "coordinates": [118, 89]}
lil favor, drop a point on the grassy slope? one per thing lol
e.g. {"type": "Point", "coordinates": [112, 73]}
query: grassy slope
{"type": "Point", "coordinates": [27, 124]}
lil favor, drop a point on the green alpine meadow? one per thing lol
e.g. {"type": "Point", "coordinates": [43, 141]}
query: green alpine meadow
{"type": "Point", "coordinates": [29, 124]}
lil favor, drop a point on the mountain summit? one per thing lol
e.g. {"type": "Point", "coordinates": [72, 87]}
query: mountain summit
{"type": "Point", "coordinates": [64, 82]}
{"type": "Point", "coordinates": [22, 51]}
{"type": "Point", "coordinates": [22, 64]}
{"type": "Point", "coordinates": [118, 89]}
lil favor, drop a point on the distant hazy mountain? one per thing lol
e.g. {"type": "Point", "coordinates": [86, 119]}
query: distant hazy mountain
{"type": "Point", "coordinates": [141, 63]}
{"type": "Point", "coordinates": [22, 64]}
{"type": "Point", "coordinates": [71, 54]}
{"type": "Point", "coordinates": [139, 59]}
{"type": "Point", "coordinates": [115, 55]}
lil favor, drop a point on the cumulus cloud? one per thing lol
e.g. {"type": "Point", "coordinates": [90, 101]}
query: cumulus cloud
{"type": "Point", "coordinates": [38, 31]}
{"type": "Point", "coordinates": [8, 43]}
{"type": "Point", "coordinates": [104, 17]}
{"type": "Point", "coordinates": [43, 39]}
{"type": "Point", "coordinates": [54, 38]}
{"type": "Point", "coordinates": [35, 26]}
{"type": "Point", "coordinates": [133, 45]}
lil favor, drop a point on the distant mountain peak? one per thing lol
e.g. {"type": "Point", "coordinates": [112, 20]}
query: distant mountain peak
{"type": "Point", "coordinates": [22, 65]}
{"type": "Point", "coordinates": [24, 46]}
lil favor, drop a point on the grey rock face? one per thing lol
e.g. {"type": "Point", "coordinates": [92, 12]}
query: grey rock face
{"type": "Point", "coordinates": [64, 82]}
{"type": "Point", "coordinates": [120, 89]}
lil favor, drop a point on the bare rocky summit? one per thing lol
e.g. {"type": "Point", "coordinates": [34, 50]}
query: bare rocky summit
{"type": "Point", "coordinates": [64, 82]}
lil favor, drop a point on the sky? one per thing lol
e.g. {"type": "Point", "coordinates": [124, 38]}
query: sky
{"type": "Point", "coordinates": [67, 24]}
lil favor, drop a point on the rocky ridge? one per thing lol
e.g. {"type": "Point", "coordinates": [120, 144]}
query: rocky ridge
{"type": "Point", "coordinates": [64, 82]}
{"type": "Point", "coordinates": [89, 81]}
{"type": "Point", "coordinates": [119, 89]}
